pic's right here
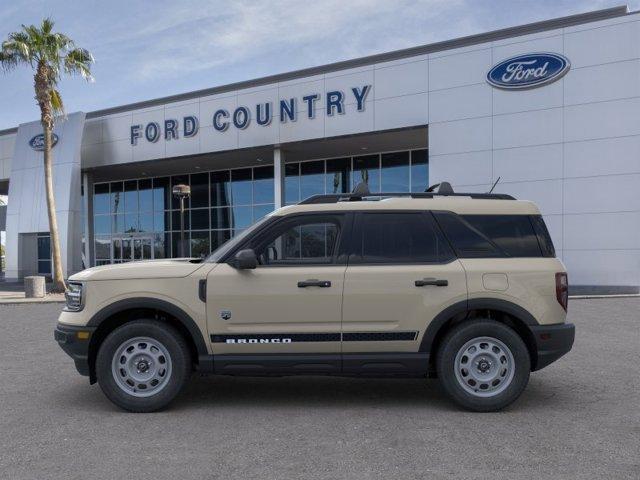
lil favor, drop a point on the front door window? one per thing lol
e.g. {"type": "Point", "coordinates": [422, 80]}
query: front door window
{"type": "Point", "coordinates": [129, 249]}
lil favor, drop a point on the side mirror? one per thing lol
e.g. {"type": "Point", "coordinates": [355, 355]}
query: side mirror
{"type": "Point", "coordinates": [245, 260]}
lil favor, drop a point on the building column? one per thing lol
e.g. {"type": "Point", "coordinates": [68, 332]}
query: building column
{"type": "Point", "coordinates": [278, 177]}
{"type": "Point", "coordinates": [87, 205]}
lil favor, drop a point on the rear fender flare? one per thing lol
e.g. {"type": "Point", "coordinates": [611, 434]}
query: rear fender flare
{"type": "Point", "coordinates": [464, 307]}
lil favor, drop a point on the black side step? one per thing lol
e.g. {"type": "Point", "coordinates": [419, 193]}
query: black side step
{"type": "Point", "coordinates": [348, 364]}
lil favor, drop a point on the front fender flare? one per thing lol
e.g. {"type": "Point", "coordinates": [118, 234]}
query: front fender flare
{"type": "Point", "coordinates": [156, 304]}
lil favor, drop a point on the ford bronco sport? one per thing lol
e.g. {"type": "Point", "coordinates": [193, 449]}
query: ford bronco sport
{"type": "Point", "coordinates": [462, 287]}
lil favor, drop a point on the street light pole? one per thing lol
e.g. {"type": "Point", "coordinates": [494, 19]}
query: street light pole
{"type": "Point", "coordinates": [181, 192]}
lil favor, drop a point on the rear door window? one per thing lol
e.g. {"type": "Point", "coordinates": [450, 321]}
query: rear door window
{"type": "Point", "coordinates": [399, 238]}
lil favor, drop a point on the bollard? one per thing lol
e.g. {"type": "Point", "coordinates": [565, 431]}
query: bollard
{"type": "Point", "coordinates": [34, 287]}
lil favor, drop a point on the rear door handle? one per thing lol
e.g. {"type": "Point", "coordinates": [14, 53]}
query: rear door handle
{"type": "Point", "coordinates": [314, 283]}
{"type": "Point", "coordinates": [431, 281]}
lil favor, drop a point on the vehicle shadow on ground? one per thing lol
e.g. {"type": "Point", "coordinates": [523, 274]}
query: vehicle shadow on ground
{"type": "Point", "coordinates": [311, 392]}
{"type": "Point", "coordinates": [221, 392]}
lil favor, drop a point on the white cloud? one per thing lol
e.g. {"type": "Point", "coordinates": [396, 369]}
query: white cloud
{"type": "Point", "coordinates": [201, 35]}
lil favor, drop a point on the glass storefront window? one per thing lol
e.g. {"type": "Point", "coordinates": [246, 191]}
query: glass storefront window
{"type": "Point", "coordinates": [241, 191]}
{"type": "Point", "coordinates": [131, 196]}
{"type": "Point", "coordinates": [160, 245]}
{"type": "Point", "coordinates": [44, 253]}
{"type": "Point", "coordinates": [102, 224]}
{"type": "Point", "coordinates": [200, 219]}
{"type": "Point", "coordinates": [220, 218]}
{"type": "Point", "coordinates": [161, 221]}
{"type": "Point", "coordinates": [101, 198]}
{"type": "Point", "coordinates": [367, 169]}
{"type": "Point", "coordinates": [179, 180]}
{"type": "Point", "coordinates": [176, 220]}
{"type": "Point", "coordinates": [338, 176]}
{"type": "Point", "coordinates": [395, 172]}
{"type": "Point", "coordinates": [200, 244]}
{"type": "Point", "coordinates": [200, 190]}
{"type": "Point", "coordinates": [161, 194]}
{"type": "Point", "coordinates": [140, 219]}
{"type": "Point", "coordinates": [117, 191]}
{"type": "Point", "coordinates": [218, 237]}
{"type": "Point", "coordinates": [145, 195]}
{"type": "Point", "coordinates": [419, 170]}
{"type": "Point", "coordinates": [260, 211]}
{"type": "Point", "coordinates": [175, 244]}
{"type": "Point", "coordinates": [242, 216]}
{"type": "Point", "coordinates": [117, 223]}
{"type": "Point", "coordinates": [311, 179]}
{"type": "Point", "coordinates": [145, 222]}
{"type": "Point", "coordinates": [103, 247]}
{"type": "Point", "coordinates": [131, 222]}
{"type": "Point", "coordinates": [263, 185]}
{"type": "Point", "coordinates": [292, 183]}
{"type": "Point", "coordinates": [220, 189]}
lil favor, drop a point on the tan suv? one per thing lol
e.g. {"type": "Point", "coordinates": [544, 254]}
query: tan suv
{"type": "Point", "coordinates": [465, 287]}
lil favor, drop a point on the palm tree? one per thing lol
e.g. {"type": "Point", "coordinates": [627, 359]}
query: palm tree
{"type": "Point", "coordinates": [49, 54]}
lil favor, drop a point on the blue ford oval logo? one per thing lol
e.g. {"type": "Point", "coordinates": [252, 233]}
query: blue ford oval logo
{"type": "Point", "coordinates": [528, 71]}
{"type": "Point", "coordinates": [37, 142]}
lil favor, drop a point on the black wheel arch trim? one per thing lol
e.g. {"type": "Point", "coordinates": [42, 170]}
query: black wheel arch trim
{"type": "Point", "coordinates": [156, 304]}
{"type": "Point", "coordinates": [464, 307]}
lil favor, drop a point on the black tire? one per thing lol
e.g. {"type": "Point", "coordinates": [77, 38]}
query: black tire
{"type": "Point", "coordinates": [180, 361]}
{"type": "Point", "coordinates": [456, 339]}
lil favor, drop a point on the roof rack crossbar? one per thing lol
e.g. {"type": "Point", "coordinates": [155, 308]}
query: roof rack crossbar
{"type": "Point", "coordinates": [355, 197]}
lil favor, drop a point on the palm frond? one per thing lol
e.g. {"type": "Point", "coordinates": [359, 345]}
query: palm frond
{"type": "Point", "coordinates": [16, 49]}
{"type": "Point", "coordinates": [47, 25]}
{"type": "Point", "coordinates": [56, 102]}
{"type": "Point", "coordinates": [78, 61]}
{"type": "Point", "coordinates": [8, 60]}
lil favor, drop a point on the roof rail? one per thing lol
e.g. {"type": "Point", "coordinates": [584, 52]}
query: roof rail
{"type": "Point", "coordinates": [356, 197]}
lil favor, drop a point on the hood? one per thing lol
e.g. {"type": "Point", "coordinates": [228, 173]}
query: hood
{"type": "Point", "coordinates": [175, 268]}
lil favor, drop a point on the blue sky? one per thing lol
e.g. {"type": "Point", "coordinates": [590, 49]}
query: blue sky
{"type": "Point", "coordinates": [148, 49]}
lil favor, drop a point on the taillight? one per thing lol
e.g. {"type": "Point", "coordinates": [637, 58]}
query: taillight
{"type": "Point", "coordinates": [562, 289]}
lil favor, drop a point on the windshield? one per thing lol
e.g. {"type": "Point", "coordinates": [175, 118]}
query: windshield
{"type": "Point", "coordinates": [230, 244]}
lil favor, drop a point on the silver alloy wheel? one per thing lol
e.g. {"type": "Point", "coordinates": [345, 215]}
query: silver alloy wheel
{"type": "Point", "coordinates": [141, 366]}
{"type": "Point", "coordinates": [484, 367]}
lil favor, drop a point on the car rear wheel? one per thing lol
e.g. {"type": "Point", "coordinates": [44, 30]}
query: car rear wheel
{"type": "Point", "coordinates": [142, 365]}
{"type": "Point", "coordinates": [483, 365]}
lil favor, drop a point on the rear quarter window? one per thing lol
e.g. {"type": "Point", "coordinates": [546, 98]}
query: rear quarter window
{"type": "Point", "coordinates": [514, 234]}
{"type": "Point", "coordinates": [544, 239]}
{"type": "Point", "coordinates": [487, 236]}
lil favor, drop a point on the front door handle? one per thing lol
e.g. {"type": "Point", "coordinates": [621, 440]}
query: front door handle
{"type": "Point", "coordinates": [431, 281]}
{"type": "Point", "coordinates": [314, 283]}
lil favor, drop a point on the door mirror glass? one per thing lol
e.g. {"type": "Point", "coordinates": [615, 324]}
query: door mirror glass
{"type": "Point", "coordinates": [245, 260]}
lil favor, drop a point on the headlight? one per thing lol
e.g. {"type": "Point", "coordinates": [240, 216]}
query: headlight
{"type": "Point", "coordinates": [73, 295]}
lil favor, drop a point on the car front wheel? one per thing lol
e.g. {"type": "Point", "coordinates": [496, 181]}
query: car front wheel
{"type": "Point", "coordinates": [483, 365]}
{"type": "Point", "coordinates": [143, 365]}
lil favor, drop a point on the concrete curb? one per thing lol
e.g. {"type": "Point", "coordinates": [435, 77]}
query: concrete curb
{"type": "Point", "coordinates": [15, 300]}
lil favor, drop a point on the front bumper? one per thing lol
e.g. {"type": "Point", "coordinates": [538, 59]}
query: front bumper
{"type": "Point", "coordinates": [552, 342]}
{"type": "Point", "coordinates": [74, 340]}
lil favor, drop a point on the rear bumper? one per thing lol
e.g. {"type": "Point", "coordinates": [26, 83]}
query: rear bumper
{"type": "Point", "coordinates": [75, 346]}
{"type": "Point", "coordinates": [552, 342]}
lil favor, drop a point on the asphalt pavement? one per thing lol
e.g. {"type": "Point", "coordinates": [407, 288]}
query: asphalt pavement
{"type": "Point", "coordinates": [578, 418]}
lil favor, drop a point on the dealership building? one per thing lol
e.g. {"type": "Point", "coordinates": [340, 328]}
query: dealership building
{"type": "Point", "coordinates": [551, 109]}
